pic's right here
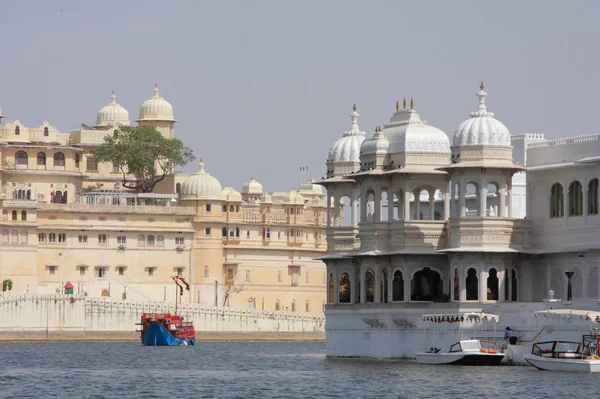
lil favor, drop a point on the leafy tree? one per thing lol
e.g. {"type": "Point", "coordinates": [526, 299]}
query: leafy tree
{"type": "Point", "coordinates": [7, 285]}
{"type": "Point", "coordinates": [143, 152]}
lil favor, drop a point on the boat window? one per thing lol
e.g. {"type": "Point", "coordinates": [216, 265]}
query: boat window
{"type": "Point", "coordinates": [455, 347]}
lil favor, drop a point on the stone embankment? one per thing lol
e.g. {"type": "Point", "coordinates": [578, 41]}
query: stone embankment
{"type": "Point", "coordinates": [79, 318]}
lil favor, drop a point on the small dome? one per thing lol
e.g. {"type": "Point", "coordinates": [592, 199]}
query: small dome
{"type": "Point", "coordinates": [481, 128]}
{"type": "Point", "coordinates": [112, 114]}
{"type": "Point", "coordinates": [406, 132]}
{"type": "Point", "coordinates": [201, 186]}
{"type": "Point", "coordinates": [231, 194]}
{"type": "Point", "coordinates": [156, 109]}
{"type": "Point", "coordinates": [347, 148]}
{"type": "Point", "coordinates": [378, 144]}
{"type": "Point", "coordinates": [252, 187]}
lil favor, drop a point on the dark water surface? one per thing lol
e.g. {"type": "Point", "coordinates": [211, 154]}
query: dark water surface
{"type": "Point", "coordinates": [258, 370]}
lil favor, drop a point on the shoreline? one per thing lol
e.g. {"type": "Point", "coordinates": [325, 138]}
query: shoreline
{"type": "Point", "coordinates": [132, 336]}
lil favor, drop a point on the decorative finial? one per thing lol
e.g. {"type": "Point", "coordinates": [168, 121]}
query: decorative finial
{"type": "Point", "coordinates": [354, 118]}
{"type": "Point", "coordinates": [404, 103]}
{"type": "Point", "coordinates": [397, 106]}
{"type": "Point", "coordinates": [155, 90]}
{"type": "Point", "coordinates": [411, 103]}
{"type": "Point", "coordinates": [113, 98]}
{"type": "Point", "coordinates": [201, 166]}
{"type": "Point", "coordinates": [481, 86]}
{"type": "Point", "coordinates": [354, 108]}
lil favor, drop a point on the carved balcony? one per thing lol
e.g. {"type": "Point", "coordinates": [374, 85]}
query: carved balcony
{"type": "Point", "coordinates": [342, 239]}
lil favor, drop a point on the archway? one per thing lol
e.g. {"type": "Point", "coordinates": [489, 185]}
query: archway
{"type": "Point", "coordinates": [426, 285]}
{"type": "Point", "coordinates": [492, 285]}
{"type": "Point", "coordinates": [398, 287]}
{"type": "Point", "coordinates": [472, 285]}
{"type": "Point", "coordinates": [369, 286]}
{"type": "Point", "coordinates": [344, 294]}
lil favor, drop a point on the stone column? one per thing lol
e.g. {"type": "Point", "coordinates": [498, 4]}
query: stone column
{"type": "Point", "coordinates": [432, 204]}
{"type": "Point", "coordinates": [483, 190]}
{"type": "Point", "coordinates": [390, 199]}
{"type": "Point", "coordinates": [502, 202]}
{"type": "Point", "coordinates": [377, 204]}
{"type": "Point", "coordinates": [509, 198]}
{"type": "Point", "coordinates": [363, 205]}
{"type": "Point", "coordinates": [462, 192]}
{"type": "Point", "coordinates": [328, 210]}
{"type": "Point", "coordinates": [447, 202]}
{"type": "Point", "coordinates": [354, 209]}
{"type": "Point", "coordinates": [417, 195]}
{"type": "Point", "coordinates": [376, 283]}
{"type": "Point", "coordinates": [585, 207]}
{"type": "Point", "coordinates": [406, 203]}
{"type": "Point", "coordinates": [483, 275]}
{"type": "Point", "coordinates": [336, 211]}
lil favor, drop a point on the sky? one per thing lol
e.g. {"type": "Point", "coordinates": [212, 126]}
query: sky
{"type": "Point", "coordinates": [261, 88]}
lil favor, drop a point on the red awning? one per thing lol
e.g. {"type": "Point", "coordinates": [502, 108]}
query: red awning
{"type": "Point", "coordinates": [68, 285]}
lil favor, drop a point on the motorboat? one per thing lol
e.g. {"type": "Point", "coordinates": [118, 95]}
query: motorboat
{"type": "Point", "coordinates": [560, 355]}
{"type": "Point", "coordinates": [465, 352]}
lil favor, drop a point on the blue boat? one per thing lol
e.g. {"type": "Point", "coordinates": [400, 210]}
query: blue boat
{"type": "Point", "coordinates": [166, 329]}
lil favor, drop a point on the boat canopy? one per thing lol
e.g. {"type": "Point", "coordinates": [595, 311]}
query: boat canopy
{"type": "Point", "coordinates": [589, 315]}
{"type": "Point", "coordinates": [470, 317]}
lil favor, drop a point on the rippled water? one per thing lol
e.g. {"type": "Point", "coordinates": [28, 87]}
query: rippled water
{"type": "Point", "coordinates": [258, 370]}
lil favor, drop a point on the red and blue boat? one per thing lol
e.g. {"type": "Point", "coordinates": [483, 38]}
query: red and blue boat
{"type": "Point", "coordinates": [166, 329]}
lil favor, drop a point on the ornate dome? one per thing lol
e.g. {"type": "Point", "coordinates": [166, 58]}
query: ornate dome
{"type": "Point", "coordinates": [252, 187]}
{"type": "Point", "coordinates": [231, 194]}
{"type": "Point", "coordinates": [378, 144]}
{"type": "Point", "coordinates": [406, 132]}
{"type": "Point", "coordinates": [112, 114]}
{"type": "Point", "coordinates": [156, 109]}
{"type": "Point", "coordinates": [347, 148]}
{"type": "Point", "coordinates": [201, 186]}
{"type": "Point", "coordinates": [481, 128]}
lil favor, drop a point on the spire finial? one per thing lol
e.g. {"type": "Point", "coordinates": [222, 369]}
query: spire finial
{"type": "Point", "coordinates": [155, 90]}
{"type": "Point", "coordinates": [113, 98]}
{"type": "Point", "coordinates": [354, 117]}
{"type": "Point", "coordinates": [481, 86]}
{"type": "Point", "coordinates": [482, 95]}
{"type": "Point", "coordinates": [404, 103]}
{"type": "Point", "coordinates": [201, 166]}
{"type": "Point", "coordinates": [397, 106]}
{"type": "Point", "coordinates": [411, 103]}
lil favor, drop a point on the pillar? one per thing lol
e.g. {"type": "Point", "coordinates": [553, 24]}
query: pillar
{"type": "Point", "coordinates": [461, 198]}
{"type": "Point", "coordinates": [390, 199]}
{"type": "Point", "coordinates": [509, 198]}
{"type": "Point", "coordinates": [354, 210]}
{"type": "Point", "coordinates": [363, 205]}
{"type": "Point", "coordinates": [417, 195]}
{"type": "Point", "coordinates": [483, 190]}
{"type": "Point", "coordinates": [502, 203]}
{"type": "Point", "coordinates": [377, 204]}
{"type": "Point", "coordinates": [328, 210]}
{"type": "Point", "coordinates": [406, 203]}
{"type": "Point", "coordinates": [432, 204]}
{"type": "Point", "coordinates": [336, 211]}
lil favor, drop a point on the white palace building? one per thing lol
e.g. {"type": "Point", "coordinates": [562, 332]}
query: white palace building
{"type": "Point", "coordinates": [469, 243]}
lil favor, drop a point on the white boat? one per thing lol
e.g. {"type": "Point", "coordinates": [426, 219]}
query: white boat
{"type": "Point", "coordinates": [560, 355]}
{"type": "Point", "coordinates": [467, 352]}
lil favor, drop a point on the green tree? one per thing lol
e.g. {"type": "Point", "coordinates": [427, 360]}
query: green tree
{"type": "Point", "coordinates": [7, 285]}
{"type": "Point", "coordinates": [143, 152]}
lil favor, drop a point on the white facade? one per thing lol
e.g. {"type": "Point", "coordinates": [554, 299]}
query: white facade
{"type": "Point", "coordinates": [499, 221]}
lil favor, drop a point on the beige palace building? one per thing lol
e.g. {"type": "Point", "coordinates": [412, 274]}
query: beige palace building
{"type": "Point", "coordinates": [66, 218]}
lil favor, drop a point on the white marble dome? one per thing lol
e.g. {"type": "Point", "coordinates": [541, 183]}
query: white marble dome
{"type": "Point", "coordinates": [112, 114]}
{"type": "Point", "coordinates": [347, 148]}
{"type": "Point", "coordinates": [481, 128]}
{"type": "Point", "coordinates": [406, 132]}
{"type": "Point", "coordinates": [156, 108]}
{"type": "Point", "coordinates": [252, 187]}
{"type": "Point", "coordinates": [378, 144]}
{"type": "Point", "coordinates": [201, 186]}
{"type": "Point", "coordinates": [231, 194]}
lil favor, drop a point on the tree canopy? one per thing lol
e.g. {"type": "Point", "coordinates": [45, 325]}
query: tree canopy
{"type": "Point", "coordinates": [143, 153]}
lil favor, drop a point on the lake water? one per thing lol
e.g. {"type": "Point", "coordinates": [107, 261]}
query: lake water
{"type": "Point", "coordinates": [258, 370]}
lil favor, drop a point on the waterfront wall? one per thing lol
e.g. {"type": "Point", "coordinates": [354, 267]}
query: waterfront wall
{"type": "Point", "coordinates": [76, 313]}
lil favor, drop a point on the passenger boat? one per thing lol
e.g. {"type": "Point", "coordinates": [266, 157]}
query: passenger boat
{"type": "Point", "coordinates": [465, 352]}
{"type": "Point", "coordinates": [560, 355]}
{"type": "Point", "coordinates": [160, 329]}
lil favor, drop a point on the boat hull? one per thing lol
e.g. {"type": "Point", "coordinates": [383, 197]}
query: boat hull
{"type": "Point", "coordinates": [460, 358]}
{"type": "Point", "coordinates": [552, 364]}
{"type": "Point", "coordinates": [157, 335]}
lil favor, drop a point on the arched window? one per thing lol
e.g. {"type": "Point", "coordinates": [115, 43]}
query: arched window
{"type": "Point", "coordinates": [62, 237]}
{"type": "Point", "coordinates": [593, 197]}
{"type": "Point", "coordinates": [294, 305]}
{"type": "Point", "coordinates": [556, 201]}
{"type": "Point", "coordinates": [279, 277]}
{"type": "Point", "coordinates": [492, 285]}
{"type": "Point", "coordinates": [24, 215]}
{"type": "Point", "coordinates": [151, 240]}
{"type": "Point", "coordinates": [224, 231]}
{"type": "Point", "coordinates": [160, 240]}
{"type": "Point", "coordinates": [52, 237]}
{"type": "Point", "coordinates": [77, 160]}
{"type": "Point", "coordinates": [398, 287]}
{"type": "Point", "coordinates": [247, 275]}
{"type": "Point", "coordinates": [383, 289]}
{"type": "Point", "coordinates": [4, 214]}
{"type": "Point", "coordinates": [330, 289]}
{"type": "Point", "coordinates": [472, 285]}
{"type": "Point", "coordinates": [59, 159]}
{"type": "Point", "coordinates": [178, 190]}
{"type": "Point", "coordinates": [250, 303]}
{"type": "Point", "coordinates": [42, 237]}
{"type": "Point", "coordinates": [24, 237]}
{"type": "Point", "coordinates": [306, 278]}
{"type": "Point", "coordinates": [307, 307]}
{"type": "Point", "coordinates": [21, 158]}
{"type": "Point", "coordinates": [370, 286]}
{"type": "Point", "coordinates": [277, 305]}
{"type": "Point", "coordinates": [426, 285]}
{"type": "Point", "coordinates": [456, 285]}
{"type": "Point", "coordinates": [46, 132]}
{"type": "Point", "coordinates": [15, 215]}
{"type": "Point", "coordinates": [41, 159]}
{"type": "Point", "coordinates": [344, 293]}
{"type": "Point", "coordinates": [205, 273]}
{"type": "Point", "coordinates": [575, 199]}
{"type": "Point", "coordinates": [5, 236]}
{"type": "Point", "coordinates": [14, 237]}
{"type": "Point", "coordinates": [57, 198]}
{"type": "Point", "coordinates": [17, 130]}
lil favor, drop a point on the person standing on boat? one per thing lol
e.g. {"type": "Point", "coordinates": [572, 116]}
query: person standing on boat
{"type": "Point", "coordinates": [511, 336]}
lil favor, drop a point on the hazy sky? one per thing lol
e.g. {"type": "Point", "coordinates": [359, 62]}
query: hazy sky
{"type": "Point", "coordinates": [260, 88]}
